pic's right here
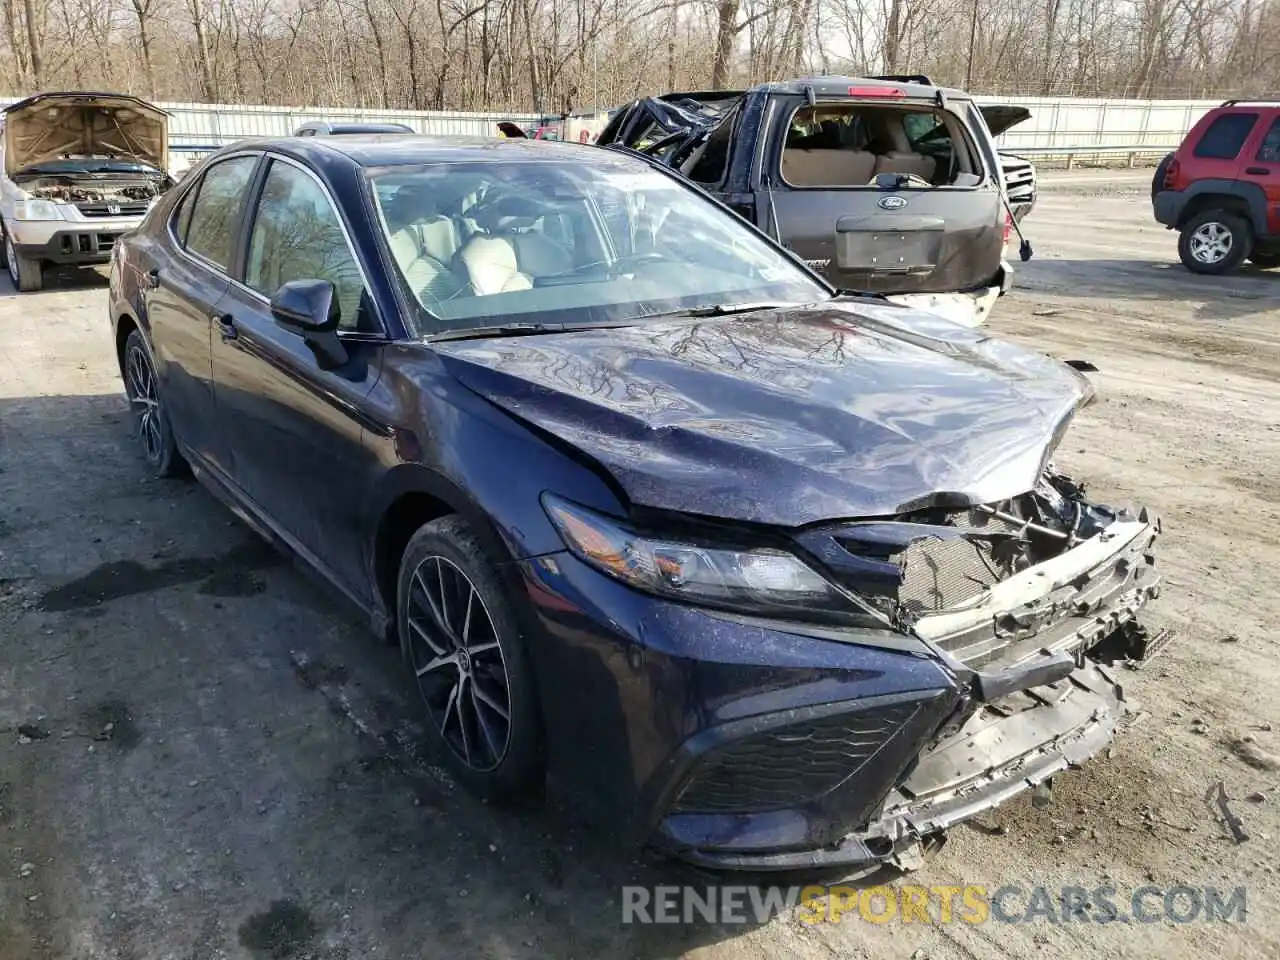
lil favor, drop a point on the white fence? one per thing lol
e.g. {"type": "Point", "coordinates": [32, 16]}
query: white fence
{"type": "Point", "coordinates": [1060, 125]}
{"type": "Point", "coordinates": [1063, 123]}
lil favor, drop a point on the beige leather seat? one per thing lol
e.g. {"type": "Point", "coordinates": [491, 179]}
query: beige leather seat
{"type": "Point", "coordinates": [539, 256]}
{"type": "Point", "coordinates": [904, 161]}
{"type": "Point", "coordinates": [828, 168]}
{"type": "Point", "coordinates": [492, 265]}
{"type": "Point", "coordinates": [429, 279]}
{"type": "Point", "coordinates": [438, 237]}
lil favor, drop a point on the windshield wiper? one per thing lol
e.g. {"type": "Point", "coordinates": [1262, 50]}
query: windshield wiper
{"type": "Point", "coordinates": [723, 309]}
{"type": "Point", "coordinates": [519, 330]}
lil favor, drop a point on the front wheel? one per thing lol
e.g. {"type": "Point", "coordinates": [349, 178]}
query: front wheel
{"type": "Point", "coordinates": [27, 274]}
{"type": "Point", "coordinates": [462, 639]}
{"type": "Point", "coordinates": [151, 419]}
{"type": "Point", "coordinates": [1215, 242]}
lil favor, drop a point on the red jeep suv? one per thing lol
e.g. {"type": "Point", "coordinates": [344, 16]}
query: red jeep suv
{"type": "Point", "coordinates": [1221, 189]}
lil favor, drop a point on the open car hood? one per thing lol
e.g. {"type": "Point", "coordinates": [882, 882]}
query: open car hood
{"type": "Point", "coordinates": [49, 126]}
{"type": "Point", "coordinates": [1001, 117]}
{"type": "Point", "coordinates": [786, 417]}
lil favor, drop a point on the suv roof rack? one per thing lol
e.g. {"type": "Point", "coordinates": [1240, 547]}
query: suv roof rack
{"type": "Point", "coordinates": [1232, 103]}
{"type": "Point", "coordinates": [906, 78]}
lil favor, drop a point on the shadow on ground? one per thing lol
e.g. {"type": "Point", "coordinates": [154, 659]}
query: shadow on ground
{"type": "Point", "coordinates": [57, 280]}
{"type": "Point", "coordinates": [229, 761]}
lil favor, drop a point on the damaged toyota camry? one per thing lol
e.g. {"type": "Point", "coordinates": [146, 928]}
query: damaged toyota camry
{"type": "Point", "coordinates": [762, 576]}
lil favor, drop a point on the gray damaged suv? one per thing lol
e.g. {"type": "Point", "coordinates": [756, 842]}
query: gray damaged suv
{"type": "Point", "coordinates": [887, 185]}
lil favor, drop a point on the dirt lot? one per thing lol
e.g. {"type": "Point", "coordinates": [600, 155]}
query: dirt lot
{"type": "Point", "coordinates": [202, 756]}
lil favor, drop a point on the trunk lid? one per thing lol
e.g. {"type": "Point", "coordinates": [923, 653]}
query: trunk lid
{"type": "Point", "coordinates": [50, 126]}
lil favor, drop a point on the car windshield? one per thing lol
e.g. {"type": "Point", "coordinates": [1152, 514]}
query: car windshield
{"type": "Point", "coordinates": [594, 240]}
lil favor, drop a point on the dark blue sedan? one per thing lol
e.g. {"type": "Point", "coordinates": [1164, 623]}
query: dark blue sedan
{"type": "Point", "coordinates": [763, 575]}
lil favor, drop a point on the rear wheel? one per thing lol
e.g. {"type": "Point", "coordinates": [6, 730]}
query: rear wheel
{"type": "Point", "coordinates": [462, 640]}
{"type": "Point", "coordinates": [151, 419]}
{"type": "Point", "coordinates": [27, 274]}
{"type": "Point", "coordinates": [1215, 242]}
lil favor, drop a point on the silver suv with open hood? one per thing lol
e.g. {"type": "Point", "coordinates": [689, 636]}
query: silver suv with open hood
{"type": "Point", "coordinates": [79, 170]}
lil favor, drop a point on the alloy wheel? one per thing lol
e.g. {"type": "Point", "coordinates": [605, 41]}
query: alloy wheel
{"type": "Point", "coordinates": [458, 663]}
{"type": "Point", "coordinates": [144, 400]}
{"type": "Point", "coordinates": [1211, 242]}
{"type": "Point", "coordinates": [11, 258]}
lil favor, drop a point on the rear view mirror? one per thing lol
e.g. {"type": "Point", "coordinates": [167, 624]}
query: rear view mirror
{"type": "Point", "coordinates": [310, 308]}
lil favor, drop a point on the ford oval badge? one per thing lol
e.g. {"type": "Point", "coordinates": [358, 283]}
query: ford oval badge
{"type": "Point", "coordinates": [892, 202]}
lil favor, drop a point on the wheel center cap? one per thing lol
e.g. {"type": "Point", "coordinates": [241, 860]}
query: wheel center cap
{"type": "Point", "coordinates": [464, 661]}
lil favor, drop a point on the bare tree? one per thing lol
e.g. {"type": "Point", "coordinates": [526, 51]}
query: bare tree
{"type": "Point", "coordinates": [558, 55]}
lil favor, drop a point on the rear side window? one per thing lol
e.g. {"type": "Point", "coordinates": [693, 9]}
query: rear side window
{"type": "Point", "coordinates": [1269, 151]}
{"type": "Point", "coordinates": [1225, 136]}
{"type": "Point", "coordinates": [215, 214]}
{"type": "Point", "coordinates": [182, 216]}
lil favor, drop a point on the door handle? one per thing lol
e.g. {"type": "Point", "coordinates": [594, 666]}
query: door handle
{"type": "Point", "coordinates": [226, 324]}
{"type": "Point", "coordinates": [1257, 171]}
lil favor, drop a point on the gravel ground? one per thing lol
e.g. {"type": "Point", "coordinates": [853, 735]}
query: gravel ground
{"type": "Point", "coordinates": [202, 756]}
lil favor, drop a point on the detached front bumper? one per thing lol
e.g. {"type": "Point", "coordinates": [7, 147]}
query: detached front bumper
{"type": "Point", "coordinates": [747, 745]}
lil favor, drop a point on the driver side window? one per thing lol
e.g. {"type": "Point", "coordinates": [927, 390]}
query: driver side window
{"type": "Point", "coordinates": [297, 235]}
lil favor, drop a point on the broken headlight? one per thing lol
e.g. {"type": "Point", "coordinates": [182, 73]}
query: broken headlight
{"type": "Point", "coordinates": [761, 581]}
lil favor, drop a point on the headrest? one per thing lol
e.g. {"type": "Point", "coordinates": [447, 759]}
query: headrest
{"type": "Point", "coordinates": [510, 210]}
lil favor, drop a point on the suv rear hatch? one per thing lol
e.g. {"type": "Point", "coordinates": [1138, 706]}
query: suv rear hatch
{"type": "Point", "coordinates": [883, 188]}
{"type": "Point", "coordinates": [886, 193]}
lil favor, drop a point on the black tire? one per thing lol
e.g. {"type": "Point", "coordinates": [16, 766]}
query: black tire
{"type": "Point", "coordinates": [1157, 181]}
{"type": "Point", "coordinates": [146, 405]}
{"type": "Point", "coordinates": [443, 571]}
{"type": "Point", "coordinates": [1265, 261]}
{"type": "Point", "coordinates": [27, 274]}
{"type": "Point", "coordinates": [1215, 232]}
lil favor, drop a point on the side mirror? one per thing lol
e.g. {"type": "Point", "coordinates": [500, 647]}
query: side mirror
{"type": "Point", "coordinates": [306, 306]}
{"type": "Point", "coordinates": [310, 308]}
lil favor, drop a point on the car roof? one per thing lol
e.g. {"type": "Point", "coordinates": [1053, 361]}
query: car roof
{"type": "Point", "coordinates": [381, 150]}
{"type": "Point", "coordinates": [839, 86]}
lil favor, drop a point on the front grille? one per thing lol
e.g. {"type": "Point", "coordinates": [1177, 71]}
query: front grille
{"type": "Point", "coordinates": [97, 208]}
{"type": "Point", "coordinates": [786, 766]}
{"type": "Point", "coordinates": [88, 243]}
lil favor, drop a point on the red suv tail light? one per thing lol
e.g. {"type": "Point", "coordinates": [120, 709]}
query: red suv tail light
{"type": "Point", "coordinates": [1171, 174]}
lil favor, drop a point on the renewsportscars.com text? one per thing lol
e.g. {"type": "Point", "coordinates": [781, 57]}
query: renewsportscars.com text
{"type": "Point", "coordinates": [910, 903]}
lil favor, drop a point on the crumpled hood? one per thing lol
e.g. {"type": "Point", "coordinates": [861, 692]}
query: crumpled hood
{"type": "Point", "coordinates": [52, 125]}
{"type": "Point", "coordinates": [788, 417]}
